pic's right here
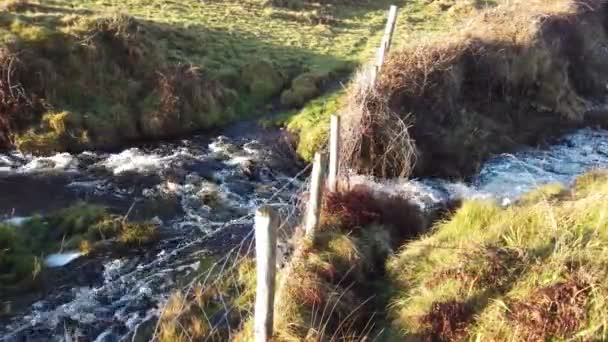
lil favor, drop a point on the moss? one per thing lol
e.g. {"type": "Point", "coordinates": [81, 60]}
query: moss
{"type": "Point", "coordinates": [80, 226]}
{"type": "Point", "coordinates": [311, 124]}
{"type": "Point", "coordinates": [39, 143]}
{"type": "Point", "coordinates": [303, 88]}
{"type": "Point", "coordinates": [138, 234]}
{"type": "Point", "coordinates": [57, 121]}
{"type": "Point", "coordinates": [262, 79]}
{"type": "Point", "coordinates": [16, 262]}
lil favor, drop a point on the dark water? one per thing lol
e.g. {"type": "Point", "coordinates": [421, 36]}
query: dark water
{"type": "Point", "coordinates": [202, 191]}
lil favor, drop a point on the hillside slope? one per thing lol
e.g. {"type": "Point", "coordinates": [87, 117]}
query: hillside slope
{"type": "Point", "coordinates": [533, 271]}
{"type": "Point", "coordinates": [91, 74]}
{"type": "Point", "coordinates": [518, 74]}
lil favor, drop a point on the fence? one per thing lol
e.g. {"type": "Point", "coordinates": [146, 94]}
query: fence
{"type": "Point", "coordinates": [266, 219]}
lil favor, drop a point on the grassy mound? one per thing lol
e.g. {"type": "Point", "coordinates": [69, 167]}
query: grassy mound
{"type": "Point", "coordinates": [322, 292]}
{"type": "Point", "coordinates": [80, 74]}
{"type": "Point", "coordinates": [533, 271]}
{"type": "Point", "coordinates": [327, 292]}
{"type": "Point", "coordinates": [516, 74]}
{"type": "Point", "coordinates": [22, 248]}
{"type": "Point", "coordinates": [418, 20]}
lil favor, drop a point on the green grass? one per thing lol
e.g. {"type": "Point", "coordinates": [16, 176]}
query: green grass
{"type": "Point", "coordinates": [133, 70]}
{"type": "Point", "coordinates": [80, 226]}
{"type": "Point", "coordinates": [169, 68]}
{"type": "Point", "coordinates": [487, 272]}
{"type": "Point", "coordinates": [418, 21]}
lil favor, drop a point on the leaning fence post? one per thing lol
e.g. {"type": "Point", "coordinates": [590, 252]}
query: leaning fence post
{"type": "Point", "coordinates": [387, 39]}
{"type": "Point", "coordinates": [266, 225]}
{"type": "Point", "coordinates": [390, 27]}
{"type": "Point", "coordinates": [316, 189]}
{"type": "Point", "coordinates": [385, 44]}
{"type": "Point", "coordinates": [334, 153]}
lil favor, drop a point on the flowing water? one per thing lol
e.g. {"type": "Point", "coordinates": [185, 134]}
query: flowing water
{"type": "Point", "coordinates": [202, 191]}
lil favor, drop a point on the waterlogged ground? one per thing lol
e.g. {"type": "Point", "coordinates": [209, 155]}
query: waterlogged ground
{"type": "Point", "coordinates": [202, 192]}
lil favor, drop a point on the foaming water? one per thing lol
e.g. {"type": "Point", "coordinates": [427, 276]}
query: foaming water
{"type": "Point", "coordinates": [506, 177]}
{"type": "Point", "coordinates": [509, 176]}
{"type": "Point", "coordinates": [61, 259]}
{"type": "Point", "coordinates": [200, 192]}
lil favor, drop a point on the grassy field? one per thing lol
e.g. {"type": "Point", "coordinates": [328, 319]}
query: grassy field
{"type": "Point", "coordinates": [98, 74]}
{"type": "Point", "coordinates": [101, 73]}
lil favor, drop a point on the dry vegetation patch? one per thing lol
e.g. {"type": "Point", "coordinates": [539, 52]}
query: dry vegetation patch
{"type": "Point", "coordinates": [497, 82]}
{"type": "Point", "coordinates": [558, 310]}
{"type": "Point", "coordinates": [447, 321]}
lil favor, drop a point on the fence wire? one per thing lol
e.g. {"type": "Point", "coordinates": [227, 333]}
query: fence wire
{"type": "Point", "coordinates": [225, 269]}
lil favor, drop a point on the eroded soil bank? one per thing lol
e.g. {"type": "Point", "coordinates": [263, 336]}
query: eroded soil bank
{"type": "Point", "coordinates": [519, 74]}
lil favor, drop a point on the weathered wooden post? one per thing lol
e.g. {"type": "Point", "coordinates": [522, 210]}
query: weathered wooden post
{"type": "Point", "coordinates": [316, 193]}
{"type": "Point", "coordinates": [387, 39]}
{"type": "Point", "coordinates": [334, 153]}
{"type": "Point", "coordinates": [266, 224]}
{"type": "Point", "coordinates": [390, 27]}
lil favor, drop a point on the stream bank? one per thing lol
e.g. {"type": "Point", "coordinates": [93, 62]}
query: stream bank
{"type": "Point", "coordinates": [111, 293]}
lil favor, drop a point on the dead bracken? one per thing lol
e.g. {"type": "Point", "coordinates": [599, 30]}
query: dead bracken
{"type": "Point", "coordinates": [556, 311]}
{"type": "Point", "coordinates": [447, 321]}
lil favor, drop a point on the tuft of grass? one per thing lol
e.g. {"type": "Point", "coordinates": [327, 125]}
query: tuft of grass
{"type": "Point", "coordinates": [210, 311]}
{"type": "Point", "coordinates": [535, 270]}
{"type": "Point", "coordinates": [79, 226]}
{"type": "Point", "coordinates": [138, 234]}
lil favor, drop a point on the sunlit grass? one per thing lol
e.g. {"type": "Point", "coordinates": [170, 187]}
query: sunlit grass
{"type": "Point", "coordinates": [490, 260]}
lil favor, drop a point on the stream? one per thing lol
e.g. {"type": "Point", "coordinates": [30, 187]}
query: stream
{"type": "Point", "coordinates": [201, 191]}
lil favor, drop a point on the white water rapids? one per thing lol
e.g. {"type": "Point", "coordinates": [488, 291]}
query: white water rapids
{"type": "Point", "coordinates": [203, 187]}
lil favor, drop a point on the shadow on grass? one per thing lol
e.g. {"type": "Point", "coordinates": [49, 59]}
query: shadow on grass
{"type": "Point", "coordinates": [113, 75]}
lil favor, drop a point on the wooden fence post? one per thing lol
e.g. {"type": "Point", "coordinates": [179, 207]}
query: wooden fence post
{"type": "Point", "coordinates": [385, 44]}
{"type": "Point", "coordinates": [316, 193]}
{"type": "Point", "coordinates": [266, 224]}
{"type": "Point", "coordinates": [387, 39]}
{"type": "Point", "coordinates": [334, 153]}
{"type": "Point", "coordinates": [390, 27]}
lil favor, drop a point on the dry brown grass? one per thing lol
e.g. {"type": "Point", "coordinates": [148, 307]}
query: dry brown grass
{"type": "Point", "coordinates": [375, 139]}
{"type": "Point", "coordinates": [494, 83]}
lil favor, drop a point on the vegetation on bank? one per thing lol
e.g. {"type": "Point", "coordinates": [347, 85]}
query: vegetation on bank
{"type": "Point", "coordinates": [82, 74]}
{"type": "Point", "coordinates": [517, 74]}
{"type": "Point", "coordinates": [535, 270]}
{"type": "Point", "coordinates": [418, 21]}
{"type": "Point", "coordinates": [81, 226]}
{"type": "Point", "coordinates": [323, 291]}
